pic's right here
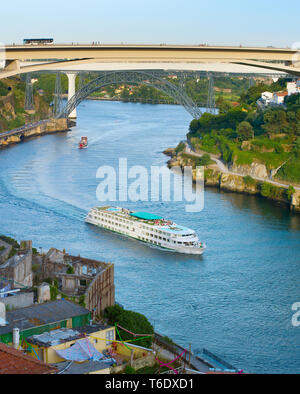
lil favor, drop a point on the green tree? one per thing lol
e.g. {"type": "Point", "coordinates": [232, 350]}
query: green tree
{"type": "Point", "coordinates": [266, 189]}
{"type": "Point", "coordinates": [204, 160]}
{"type": "Point", "coordinates": [131, 321]}
{"type": "Point", "coordinates": [290, 192]}
{"type": "Point", "coordinates": [245, 131]}
{"type": "Point", "coordinates": [222, 104]}
{"type": "Point", "coordinates": [125, 94]}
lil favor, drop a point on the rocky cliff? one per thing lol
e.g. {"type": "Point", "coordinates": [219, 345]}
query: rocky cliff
{"type": "Point", "coordinates": [239, 183]}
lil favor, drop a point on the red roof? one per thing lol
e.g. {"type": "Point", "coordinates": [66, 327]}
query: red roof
{"type": "Point", "coordinates": [13, 361]}
{"type": "Point", "coordinates": [280, 94]}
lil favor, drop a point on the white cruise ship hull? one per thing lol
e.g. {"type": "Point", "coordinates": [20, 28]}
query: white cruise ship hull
{"type": "Point", "coordinates": [136, 230]}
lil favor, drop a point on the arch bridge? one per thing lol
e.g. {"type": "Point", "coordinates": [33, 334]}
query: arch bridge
{"type": "Point", "coordinates": [147, 78]}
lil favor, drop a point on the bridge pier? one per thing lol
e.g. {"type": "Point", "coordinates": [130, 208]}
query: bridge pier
{"type": "Point", "coordinates": [72, 91]}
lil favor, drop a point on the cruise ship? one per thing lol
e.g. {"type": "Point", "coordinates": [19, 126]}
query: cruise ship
{"type": "Point", "coordinates": [148, 228]}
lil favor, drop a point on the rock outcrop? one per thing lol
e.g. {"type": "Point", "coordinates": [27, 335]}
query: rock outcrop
{"type": "Point", "coordinates": [295, 201]}
{"type": "Point", "coordinates": [256, 169]}
{"type": "Point", "coordinates": [243, 183]}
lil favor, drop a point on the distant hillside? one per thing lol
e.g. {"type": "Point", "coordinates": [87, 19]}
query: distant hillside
{"type": "Point", "coordinates": [249, 138]}
{"type": "Point", "coordinates": [12, 98]}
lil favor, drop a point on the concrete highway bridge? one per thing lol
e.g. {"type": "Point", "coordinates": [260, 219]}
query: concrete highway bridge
{"type": "Point", "coordinates": [140, 61]}
{"type": "Point", "coordinates": [57, 56]}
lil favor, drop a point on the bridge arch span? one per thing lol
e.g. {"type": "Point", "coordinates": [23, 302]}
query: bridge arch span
{"type": "Point", "coordinates": [134, 77]}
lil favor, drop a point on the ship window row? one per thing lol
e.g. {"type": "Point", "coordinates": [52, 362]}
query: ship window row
{"type": "Point", "coordinates": [145, 227]}
{"type": "Point", "coordinates": [118, 224]}
{"type": "Point", "coordinates": [147, 234]}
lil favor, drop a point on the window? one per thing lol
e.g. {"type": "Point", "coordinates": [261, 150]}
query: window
{"type": "Point", "coordinates": [110, 336]}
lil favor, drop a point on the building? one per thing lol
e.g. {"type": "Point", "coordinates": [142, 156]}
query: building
{"type": "Point", "coordinates": [88, 368]}
{"type": "Point", "coordinates": [78, 344]}
{"type": "Point", "coordinates": [278, 98]}
{"type": "Point", "coordinates": [216, 89]}
{"type": "Point", "coordinates": [13, 361]}
{"type": "Point", "coordinates": [18, 268]}
{"type": "Point", "coordinates": [292, 88]}
{"type": "Point", "coordinates": [40, 318]}
{"type": "Point", "coordinates": [266, 98]}
{"type": "Point", "coordinates": [91, 280]}
{"type": "Point", "coordinates": [5, 250]}
{"type": "Point", "coordinates": [16, 298]}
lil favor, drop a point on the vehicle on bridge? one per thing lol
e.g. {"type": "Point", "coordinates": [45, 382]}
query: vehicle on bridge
{"type": "Point", "coordinates": [37, 41]}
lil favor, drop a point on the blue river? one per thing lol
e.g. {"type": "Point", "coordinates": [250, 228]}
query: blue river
{"type": "Point", "coordinates": [236, 300]}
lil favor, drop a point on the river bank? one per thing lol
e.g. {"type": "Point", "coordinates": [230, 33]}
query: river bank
{"type": "Point", "coordinates": [118, 99]}
{"type": "Point", "coordinates": [217, 175]}
{"type": "Point", "coordinates": [235, 300]}
{"type": "Point", "coordinates": [50, 126]}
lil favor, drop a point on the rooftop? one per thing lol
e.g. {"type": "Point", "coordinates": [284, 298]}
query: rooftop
{"type": "Point", "coordinates": [145, 216]}
{"type": "Point", "coordinates": [14, 361]}
{"type": "Point", "coordinates": [62, 335]}
{"type": "Point", "coordinates": [68, 368]}
{"type": "Point", "coordinates": [41, 314]}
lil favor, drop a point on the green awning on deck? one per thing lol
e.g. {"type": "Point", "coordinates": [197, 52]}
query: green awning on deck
{"type": "Point", "coordinates": [145, 216]}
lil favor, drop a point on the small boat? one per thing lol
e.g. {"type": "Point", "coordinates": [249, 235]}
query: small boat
{"type": "Point", "coordinates": [83, 143]}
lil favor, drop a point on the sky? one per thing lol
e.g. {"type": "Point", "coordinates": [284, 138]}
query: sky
{"type": "Point", "coordinates": [215, 22]}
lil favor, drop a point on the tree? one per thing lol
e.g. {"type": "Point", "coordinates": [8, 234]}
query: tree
{"type": "Point", "coordinates": [125, 94]}
{"type": "Point", "coordinates": [204, 160]}
{"type": "Point", "coordinates": [131, 321]}
{"type": "Point", "coordinates": [296, 147]}
{"type": "Point", "coordinates": [290, 192]}
{"type": "Point", "coordinates": [245, 131]}
{"type": "Point", "coordinates": [223, 105]}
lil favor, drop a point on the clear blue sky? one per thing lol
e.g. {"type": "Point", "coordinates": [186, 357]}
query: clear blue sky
{"type": "Point", "coordinates": [246, 22]}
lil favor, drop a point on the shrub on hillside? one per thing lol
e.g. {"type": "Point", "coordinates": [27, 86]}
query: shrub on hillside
{"type": "Point", "coordinates": [131, 321]}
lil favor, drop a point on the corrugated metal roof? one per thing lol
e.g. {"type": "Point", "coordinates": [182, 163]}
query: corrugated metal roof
{"type": "Point", "coordinates": [41, 314]}
{"type": "Point", "coordinates": [81, 368]}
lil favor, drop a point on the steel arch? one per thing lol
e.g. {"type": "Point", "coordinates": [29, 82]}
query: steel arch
{"type": "Point", "coordinates": [135, 77]}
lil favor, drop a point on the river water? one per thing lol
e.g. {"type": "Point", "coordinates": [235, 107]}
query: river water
{"type": "Point", "coordinates": [236, 300]}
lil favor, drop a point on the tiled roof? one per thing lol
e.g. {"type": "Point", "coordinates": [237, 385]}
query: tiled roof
{"type": "Point", "coordinates": [281, 94]}
{"type": "Point", "coordinates": [41, 314]}
{"type": "Point", "coordinates": [13, 361]}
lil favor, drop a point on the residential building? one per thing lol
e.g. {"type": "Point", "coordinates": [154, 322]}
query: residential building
{"type": "Point", "coordinates": [266, 98]}
{"type": "Point", "coordinates": [278, 98]}
{"type": "Point", "coordinates": [40, 318]}
{"type": "Point", "coordinates": [59, 345]}
{"type": "Point", "coordinates": [292, 88]}
{"type": "Point", "coordinates": [18, 268]}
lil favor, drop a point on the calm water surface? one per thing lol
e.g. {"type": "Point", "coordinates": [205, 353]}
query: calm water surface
{"type": "Point", "coordinates": [235, 300]}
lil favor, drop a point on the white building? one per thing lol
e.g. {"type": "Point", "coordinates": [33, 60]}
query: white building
{"type": "Point", "coordinates": [292, 88]}
{"type": "Point", "coordinates": [266, 98]}
{"type": "Point", "coordinates": [278, 97]}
